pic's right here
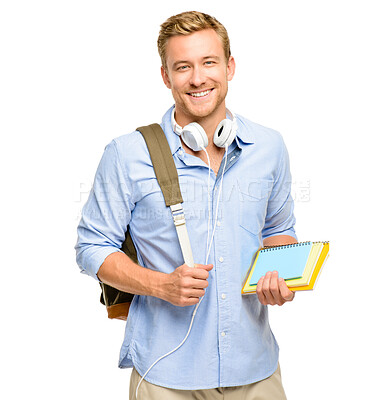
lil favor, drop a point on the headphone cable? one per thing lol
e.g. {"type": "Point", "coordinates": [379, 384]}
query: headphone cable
{"type": "Point", "coordinates": [208, 247]}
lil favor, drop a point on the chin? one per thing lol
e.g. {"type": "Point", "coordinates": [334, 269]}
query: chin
{"type": "Point", "coordinates": [202, 111]}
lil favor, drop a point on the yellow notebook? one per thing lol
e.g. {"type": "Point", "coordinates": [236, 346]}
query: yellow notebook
{"type": "Point", "coordinates": [299, 264]}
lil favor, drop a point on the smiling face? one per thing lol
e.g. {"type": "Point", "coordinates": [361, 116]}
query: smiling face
{"type": "Point", "coordinates": [197, 72]}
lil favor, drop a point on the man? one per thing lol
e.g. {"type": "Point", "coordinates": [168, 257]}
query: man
{"type": "Point", "coordinates": [230, 352]}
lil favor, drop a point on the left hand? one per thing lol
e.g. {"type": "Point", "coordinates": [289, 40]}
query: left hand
{"type": "Point", "coordinates": [273, 290]}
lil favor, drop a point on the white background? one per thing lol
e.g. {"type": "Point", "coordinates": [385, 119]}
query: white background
{"type": "Point", "coordinates": [75, 74]}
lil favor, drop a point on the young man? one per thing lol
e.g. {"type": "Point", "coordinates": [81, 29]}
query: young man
{"type": "Point", "coordinates": [230, 350]}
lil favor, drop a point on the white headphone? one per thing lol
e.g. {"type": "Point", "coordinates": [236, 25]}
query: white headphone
{"type": "Point", "coordinates": [195, 137]}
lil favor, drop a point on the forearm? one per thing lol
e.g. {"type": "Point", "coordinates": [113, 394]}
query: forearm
{"type": "Point", "coordinates": [183, 287]}
{"type": "Point", "coordinates": [279, 240]}
{"type": "Point", "coordinates": [120, 272]}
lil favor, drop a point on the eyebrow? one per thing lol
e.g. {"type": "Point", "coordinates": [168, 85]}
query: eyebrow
{"type": "Point", "coordinates": [216, 58]}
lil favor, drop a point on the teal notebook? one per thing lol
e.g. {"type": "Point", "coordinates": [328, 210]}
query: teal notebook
{"type": "Point", "coordinates": [289, 262]}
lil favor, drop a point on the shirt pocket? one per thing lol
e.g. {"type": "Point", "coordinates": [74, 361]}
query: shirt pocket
{"type": "Point", "coordinates": [254, 197]}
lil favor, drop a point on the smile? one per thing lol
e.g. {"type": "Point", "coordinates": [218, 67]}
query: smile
{"type": "Point", "coordinates": [200, 94]}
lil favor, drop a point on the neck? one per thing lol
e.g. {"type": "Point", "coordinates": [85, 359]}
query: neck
{"type": "Point", "coordinates": [215, 155]}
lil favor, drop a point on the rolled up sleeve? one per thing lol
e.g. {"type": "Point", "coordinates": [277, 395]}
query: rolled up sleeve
{"type": "Point", "coordinates": [106, 214]}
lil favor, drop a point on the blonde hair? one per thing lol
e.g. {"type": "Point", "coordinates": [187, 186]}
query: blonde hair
{"type": "Point", "coordinates": [187, 23]}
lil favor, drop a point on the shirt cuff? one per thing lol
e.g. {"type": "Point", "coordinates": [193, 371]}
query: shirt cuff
{"type": "Point", "coordinates": [289, 232]}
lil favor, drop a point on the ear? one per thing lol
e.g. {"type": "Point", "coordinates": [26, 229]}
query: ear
{"type": "Point", "coordinates": [231, 67]}
{"type": "Point", "coordinates": [165, 77]}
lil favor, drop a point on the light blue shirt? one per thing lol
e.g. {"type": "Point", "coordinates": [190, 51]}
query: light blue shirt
{"type": "Point", "coordinates": [231, 342]}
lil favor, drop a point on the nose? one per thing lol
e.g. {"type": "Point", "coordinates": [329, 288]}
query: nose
{"type": "Point", "coordinates": [197, 77]}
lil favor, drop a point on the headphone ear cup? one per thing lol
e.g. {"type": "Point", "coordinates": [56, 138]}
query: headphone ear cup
{"type": "Point", "coordinates": [194, 136]}
{"type": "Point", "coordinates": [225, 133]}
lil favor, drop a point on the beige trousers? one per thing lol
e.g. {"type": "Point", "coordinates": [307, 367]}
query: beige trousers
{"type": "Point", "coordinates": [267, 389]}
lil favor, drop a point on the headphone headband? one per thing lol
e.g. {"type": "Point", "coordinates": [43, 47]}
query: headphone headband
{"type": "Point", "coordinates": [195, 137]}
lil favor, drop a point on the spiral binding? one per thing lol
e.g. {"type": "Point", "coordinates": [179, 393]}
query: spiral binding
{"type": "Point", "coordinates": [280, 246]}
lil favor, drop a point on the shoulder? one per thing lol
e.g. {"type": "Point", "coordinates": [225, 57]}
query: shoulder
{"type": "Point", "coordinates": [126, 153]}
{"type": "Point", "coordinates": [129, 147]}
{"type": "Point", "coordinates": [129, 141]}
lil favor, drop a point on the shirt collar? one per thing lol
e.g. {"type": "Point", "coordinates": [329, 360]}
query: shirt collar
{"type": "Point", "coordinates": [243, 133]}
{"type": "Point", "coordinates": [171, 136]}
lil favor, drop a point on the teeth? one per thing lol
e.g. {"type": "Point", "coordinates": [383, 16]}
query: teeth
{"type": "Point", "coordinates": [200, 94]}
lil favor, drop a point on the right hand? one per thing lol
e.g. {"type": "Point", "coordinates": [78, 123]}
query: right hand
{"type": "Point", "coordinates": [185, 285]}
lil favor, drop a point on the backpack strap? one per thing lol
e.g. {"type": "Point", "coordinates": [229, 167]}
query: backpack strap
{"type": "Point", "coordinates": [167, 177]}
{"type": "Point", "coordinates": [116, 301]}
{"type": "Point", "coordinates": [163, 163]}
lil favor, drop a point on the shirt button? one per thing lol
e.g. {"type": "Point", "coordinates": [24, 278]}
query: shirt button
{"type": "Point", "coordinates": [218, 223]}
{"type": "Point", "coordinates": [223, 334]}
{"type": "Point", "coordinates": [223, 296]}
{"type": "Point", "coordinates": [221, 259]}
{"type": "Point", "coordinates": [180, 153]}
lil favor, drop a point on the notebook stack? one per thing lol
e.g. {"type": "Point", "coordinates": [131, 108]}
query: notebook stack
{"type": "Point", "coordinates": [299, 264]}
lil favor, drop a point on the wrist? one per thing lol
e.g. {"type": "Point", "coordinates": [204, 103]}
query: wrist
{"type": "Point", "coordinates": [158, 286]}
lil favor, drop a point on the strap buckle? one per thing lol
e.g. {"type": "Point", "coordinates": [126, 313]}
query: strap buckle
{"type": "Point", "coordinates": [182, 233]}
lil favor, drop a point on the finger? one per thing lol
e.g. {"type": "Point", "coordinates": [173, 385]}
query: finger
{"type": "Point", "coordinates": [275, 290]}
{"type": "Point", "coordinates": [285, 292]}
{"type": "Point", "coordinates": [207, 267]}
{"type": "Point", "coordinates": [196, 273]}
{"type": "Point", "coordinates": [192, 292]}
{"type": "Point", "coordinates": [196, 283]}
{"type": "Point", "coordinates": [193, 296]}
{"type": "Point", "coordinates": [188, 296]}
{"type": "Point", "coordinates": [201, 272]}
{"type": "Point", "coordinates": [189, 301]}
{"type": "Point", "coordinates": [197, 293]}
{"type": "Point", "coordinates": [259, 291]}
{"type": "Point", "coordinates": [267, 289]}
